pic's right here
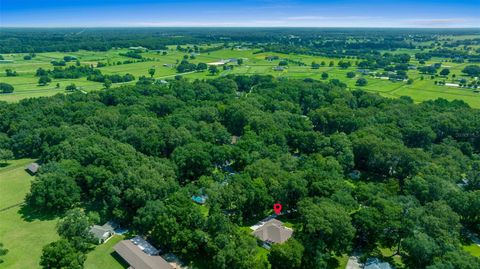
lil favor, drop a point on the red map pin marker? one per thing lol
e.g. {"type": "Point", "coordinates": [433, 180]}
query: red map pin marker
{"type": "Point", "coordinates": [277, 208]}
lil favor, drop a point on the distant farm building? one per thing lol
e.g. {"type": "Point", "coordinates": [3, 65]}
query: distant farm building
{"type": "Point", "coordinates": [363, 71]}
{"type": "Point", "coordinates": [139, 48]}
{"type": "Point", "coordinates": [218, 63]}
{"type": "Point", "coordinates": [272, 232]}
{"type": "Point", "coordinates": [104, 232]}
{"type": "Point", "coordinates": [139, 254]}
{"type": "Point", "coordinates": [32, 168]}
{"type": "Point", "coordinates": [452, 85]}
{"type": "Point", "coordinates": [279, 68]}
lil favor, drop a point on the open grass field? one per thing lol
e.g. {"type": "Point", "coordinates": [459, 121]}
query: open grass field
{"type": "Point", "coordinates": [22, 232]}
{"type": "Point", "coordinates": [254, 63]}
{"type": "Point", "coordinates": [103, 256]}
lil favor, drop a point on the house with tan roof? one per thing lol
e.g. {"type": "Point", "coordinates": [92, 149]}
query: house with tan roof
{"type": "Point", "coordinates": [272, 232]}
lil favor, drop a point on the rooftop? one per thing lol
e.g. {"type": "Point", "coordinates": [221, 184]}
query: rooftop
{"type": "Point", "coordinates": [273, 231]}
{"type": "Point", "coordinates": [138, 259]}
{"type": "Point", "coordinates": [145, 246]}
{"type": "Point", "coordinates": [33, 167]}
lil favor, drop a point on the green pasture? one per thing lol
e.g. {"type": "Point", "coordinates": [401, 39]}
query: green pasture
{"type": "Point", "coordinates": [254, 63]}
{"type": "Point", "coordinates": [22, 231]}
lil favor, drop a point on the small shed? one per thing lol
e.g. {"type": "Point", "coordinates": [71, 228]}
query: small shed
{"type": "Point", "coordinates": [32, 168]}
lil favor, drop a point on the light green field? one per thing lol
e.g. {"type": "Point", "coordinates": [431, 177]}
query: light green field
{"type": "Point", "coordinates": [26, 83]}
{"type": "Point", "coordinates": [103, 256]}
{"type": "Point", "coordinates": [23, 233]}
{"type": "Point", "coordinates": [473, 249]}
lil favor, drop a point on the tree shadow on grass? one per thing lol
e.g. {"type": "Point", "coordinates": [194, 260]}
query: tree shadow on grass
{"type": "Point", "coordinates": [2, 165]}
{"type": "Point", "coordinates": [30, 214]}
{"type": "Point", "coordinates": [119, 259]}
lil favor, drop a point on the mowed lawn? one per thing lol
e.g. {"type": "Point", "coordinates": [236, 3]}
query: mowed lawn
{"type": "Point", "coordinates": [22, 234]}
{"type": "Point", "coordinates": [473, 249]}
{"type": "Point", "coordinates": [103, 256]}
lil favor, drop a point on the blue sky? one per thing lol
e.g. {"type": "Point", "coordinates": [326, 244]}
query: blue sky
{"type": "Point", "coordinates": [249, 13]}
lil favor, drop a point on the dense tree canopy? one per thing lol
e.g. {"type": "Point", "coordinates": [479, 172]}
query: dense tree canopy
{"type": "Point", "coordinates": [351, 168]}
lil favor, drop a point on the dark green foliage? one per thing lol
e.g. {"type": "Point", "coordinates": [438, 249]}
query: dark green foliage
{"type": "Point", "coordinates": [59, 63]}
{"type": "Point", "coordinates": [116, 78]}
{"type": "Point", "coordinates": [445, 72]}
{"type": "Point", "coordinates": [6, 88]}
{"type": "Point", "coordinates": [213, 70]}
{"type": "Point", "coordinates": [344, 64]}
{"type": "Point", "coordinates": [69, 58]}
{"type": "Point", "coordinates": [56, 191]}
{"type": "Point", "coordinates": [457, 260]}
{"type": "Point", "coordinates": [132, 54]}
{"type": "Point", "coordinates": [287, 255]}
{"type": "Point", "coordinates": [326, 224]}
{"type": "Point", "coordinates": [70, 88]}
{"type": "Point", "coordinates": [10, 73]}
{"type": "Point", "coordinates": [137, 153]}
{"type": "Point", "coordinates": [185, 66]}
{"type": "Point", "coordinates": [472, 70]}
{"type": "Point", "coordinates": [44, 80]}
{"type": "Point", "coordinates": [192, 160]}
{"type": "Point", "coordinates": [75, 227]}
{"type": "Point", "coordinates": [361, 82]}
{"type": "Point", "coordinates": [61, 255]}
{"type": "Point", "coordinates": [5, 155]}
{"type": "Point", "coordinates": [202, 66]}
{"type": "Point", "coordinates": [3, 252]}
{"type": "Point", "coordinates": [151, 72]}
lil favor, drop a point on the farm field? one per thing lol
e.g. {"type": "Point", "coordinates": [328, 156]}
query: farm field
{"type": "Point", "coordinates": [423, 87]}
{"type": "Point", "coordinates": [22, 232]}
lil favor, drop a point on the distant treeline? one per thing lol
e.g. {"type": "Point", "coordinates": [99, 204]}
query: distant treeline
{"type": "Point", "coordinates": [331, 41]}
{"type": "Point", "coordinates": [91, 73]}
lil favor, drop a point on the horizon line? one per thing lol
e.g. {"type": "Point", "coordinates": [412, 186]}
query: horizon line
{"type": "Point", "coordinates": [246, 26]}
